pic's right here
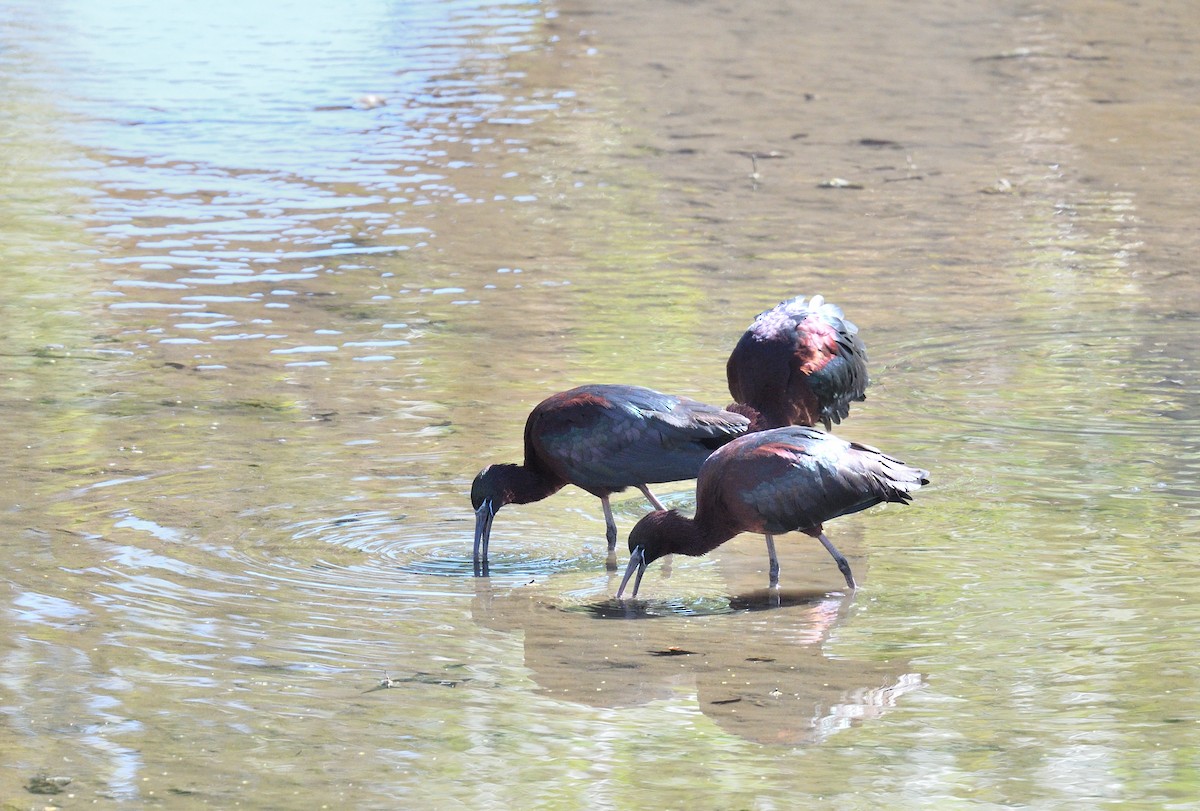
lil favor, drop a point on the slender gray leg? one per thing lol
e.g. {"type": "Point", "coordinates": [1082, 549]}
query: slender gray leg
{"type": "Point", "coordinates": [610, 532]}
{"type": "Point", "coordinates": [774, 570]}
{"type": "Point", "coordinates": [650, 497]}
{"type": "Point", "coordinates": [841, 561]}
{"type": "Point", "coordinates": [665, 565]}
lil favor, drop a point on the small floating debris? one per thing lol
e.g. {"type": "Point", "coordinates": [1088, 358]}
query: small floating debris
{"type": "Point", "coordinates": [773, 154]}
{"type": "Point", "coordinates": [838, 183]}
{"type": "Point", "coordinates": [1016, 53]}
{"type": "Point", "coordinates": [387, 682]}
{"type": "Point", "coordinates": [673, 651]}
{"type": "Point", "coordinates": [370, 102]}
{"type": "Point", "coordinates": [45, 784]}
{"type": "Point", "coordinates": [1001, 186]}
{"type": "Point", "coordinates": [367, 102]}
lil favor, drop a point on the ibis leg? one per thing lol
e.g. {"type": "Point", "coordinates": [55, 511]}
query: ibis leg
{"type": "Point", "coordinates": [610, 532]}
{"type": "Point", "coordinates": [841, 560]}
{"type": "Point", "coordinates": [654, 502]}
{"type": "Point", "coordinates": [774, 569]}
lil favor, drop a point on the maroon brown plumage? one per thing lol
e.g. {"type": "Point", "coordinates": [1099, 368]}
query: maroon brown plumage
{"type": "Point", "coordinates": [603, 439]}
{"type": "Point", "coordinates": [799, 363]}
{"type": "Point", "coordinates": [776, 481]}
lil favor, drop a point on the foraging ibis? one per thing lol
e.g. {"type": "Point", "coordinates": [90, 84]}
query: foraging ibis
{"type": "Point", "coordinates": [776, 481]}
{"type": "Point", "coordinates": [602, 438]}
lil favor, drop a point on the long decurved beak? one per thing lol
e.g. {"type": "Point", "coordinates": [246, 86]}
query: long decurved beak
{"type": "Point", "coordinates": [637, 560]}
{"type": "Point", "coordinates": [483, 533]}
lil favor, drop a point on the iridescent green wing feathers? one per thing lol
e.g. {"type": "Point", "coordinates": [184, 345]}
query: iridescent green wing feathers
{"type": "Point", "coordinates": [605, 438]}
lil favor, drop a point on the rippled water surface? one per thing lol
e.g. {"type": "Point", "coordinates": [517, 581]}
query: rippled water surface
{"type": "Point", "coordinates": [277, 280]}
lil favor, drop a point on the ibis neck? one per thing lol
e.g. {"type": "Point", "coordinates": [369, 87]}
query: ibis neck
{"type": "Point", "coordinates": [686, 536]}
{"type": "Point", "coordinates": [522, 484]}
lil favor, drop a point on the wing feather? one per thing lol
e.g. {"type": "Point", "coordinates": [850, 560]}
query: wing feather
{"type": "Point", "coordinates": [606, 438]}
{"type": "Point", "coordinates": [797, 478]}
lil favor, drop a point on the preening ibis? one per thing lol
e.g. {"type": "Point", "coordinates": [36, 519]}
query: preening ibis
{"type": "Point", "coordinates": [799, 363]}
{"type": "Point", "coordinates": [602, 438]}
{"type": "Point", "coordinates": [776, 481]}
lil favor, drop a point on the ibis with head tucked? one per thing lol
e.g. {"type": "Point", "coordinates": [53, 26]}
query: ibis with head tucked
{"type": "Point", "coordinates": [772, 482]}
{"type": "Point", "coordinates": [603, 439]}
{"type": "Point", "coordinates": [799, 363]}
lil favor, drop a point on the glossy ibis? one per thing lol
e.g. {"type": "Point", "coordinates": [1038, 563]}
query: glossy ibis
{"type": "Point", "coordinates": [602, 438]}
{"type": "Point", "coordinates": [799, 363]}
{"type": "Point", "coordinates": [776, 481]}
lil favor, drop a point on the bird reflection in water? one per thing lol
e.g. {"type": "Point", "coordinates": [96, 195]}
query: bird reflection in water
{"type": "Point", "coordinates": [757, 661]}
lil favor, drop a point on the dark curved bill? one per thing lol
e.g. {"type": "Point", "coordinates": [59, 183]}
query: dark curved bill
{"type": "Point", "coordinates": [483, 533]}
{"type": "Point", "coordinates": [637, 561]}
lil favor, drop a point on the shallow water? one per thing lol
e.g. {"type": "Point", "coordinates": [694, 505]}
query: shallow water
{"type": "Point", "coordinates": [278, 282]}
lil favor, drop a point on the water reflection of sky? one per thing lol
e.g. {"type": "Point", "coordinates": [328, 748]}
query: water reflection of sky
{"type": "Point", "coordinates": [230, 152]}
{"type": "Point", "coordinates": [277, 87]}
